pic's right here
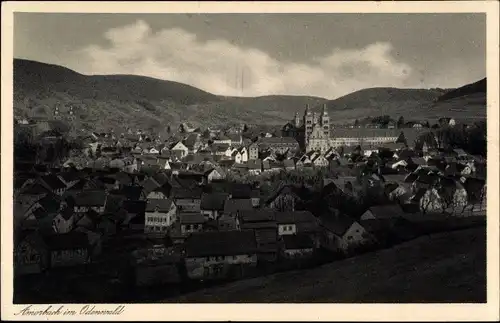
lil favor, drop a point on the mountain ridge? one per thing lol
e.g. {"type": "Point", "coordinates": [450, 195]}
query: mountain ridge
{"type": "Point", "coordinates": [108, 101]}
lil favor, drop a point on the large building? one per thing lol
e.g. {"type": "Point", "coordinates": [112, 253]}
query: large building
{"type": "Point", "coordinates": [316, 133]}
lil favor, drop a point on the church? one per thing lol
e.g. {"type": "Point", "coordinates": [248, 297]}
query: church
{"type": "Point", "coordinates": [314, 132]}
{"type": "Point", "coordinates": [311, 130]}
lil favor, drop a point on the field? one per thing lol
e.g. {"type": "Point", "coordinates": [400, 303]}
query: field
{"type": "Point", "coordinates": [445, 267]}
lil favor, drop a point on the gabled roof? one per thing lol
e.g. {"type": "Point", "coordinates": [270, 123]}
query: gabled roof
{"type": "Point", "coordinates": [53, 181]}
{"type": "Point", "coordinates": [160, 205]}
{"type": "Point", "coordinates": [213, 201]}
{"type": "Point", "coordinates": [224, 243]}
{"type": "Point", "coordinates": [49, 203]}
{"type": "Point", "coordinates": [386, 211]}
{"type": "Point", "coordinates": [337, 225]}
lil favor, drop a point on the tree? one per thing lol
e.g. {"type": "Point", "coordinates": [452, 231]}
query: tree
{"type": "Point", "coordinates": [356, 123]}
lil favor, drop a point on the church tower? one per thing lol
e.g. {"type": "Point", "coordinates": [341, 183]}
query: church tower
{"type": "Point", "coordinates": [308, 124]}
{"type": "Point", "coordinates": [315, 118]}
{"type": "Point", "coordinates": [297, 120]}
{"type": "Point", "coordinates": [325, 122]}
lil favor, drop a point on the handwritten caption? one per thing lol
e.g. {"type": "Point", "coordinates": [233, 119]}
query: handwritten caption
{"type": "Point", "coordinates": [61, 310]}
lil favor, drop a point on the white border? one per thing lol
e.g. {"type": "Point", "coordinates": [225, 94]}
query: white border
{"type": "Point", "coordinates": [295, 312]}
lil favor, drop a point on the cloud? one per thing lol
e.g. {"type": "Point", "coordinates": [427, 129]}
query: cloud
{"type": "Point", "coordinates": [220, 67]}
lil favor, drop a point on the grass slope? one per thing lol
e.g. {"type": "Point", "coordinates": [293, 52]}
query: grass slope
{"type": "Point", "coordinates": [446, 267]}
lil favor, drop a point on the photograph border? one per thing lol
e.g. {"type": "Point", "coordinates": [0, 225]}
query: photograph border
{"type": "Point", "coordinates": [295, 312]}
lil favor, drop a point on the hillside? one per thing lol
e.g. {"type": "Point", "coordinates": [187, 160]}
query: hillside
{"type": "Point", "coordinates": [469, 89]}
{"type": "Point", "coordinates": [446, 267]}
{"type": "Point", "coordinates": [101, 101]}
{"type": "Point", "coordinates": [467, 102]}
{"type": "Point", "coordinates": [115, 101]}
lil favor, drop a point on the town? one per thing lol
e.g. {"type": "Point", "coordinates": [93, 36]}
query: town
{"type": "Point", "coordinates": [102, 216]}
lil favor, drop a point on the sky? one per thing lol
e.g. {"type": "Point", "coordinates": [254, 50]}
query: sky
{"type": "Point", "coordinates": [326, 55]}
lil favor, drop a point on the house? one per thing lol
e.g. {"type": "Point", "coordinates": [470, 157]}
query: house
{"type": "Point", "coordinates": [214, 174]}
{"type": "Point", "coordinates": [40, 213]}
{"type": "Point", "coordinates": [244, 154]}
{"type": "Point", "coordinates": [263, 223]}
{"type": "Point", "coordinates": [298, 246]}
{"type": "Point", "coordinates": [179, 149]}
{"type": "Point", "coordinates": [192, 142]}
{"type": "Point", "coordinates": [30, 253]}
{"type": "Point", "coordinates": [342, 233]}
{"type": "Point", "coordinates": [236, 156]}
{"type": "Point", "coordinates": [64, 221]}
{"type": "Point", "coordinates": [255, 197]}
{"type": "Point", "coordinates": [191, 222]}
{"type": "Point", "coordinates": [52, 183]}
{"type": "Point", "coordinates": [254, 166]}
{"type": "Point", "coordinates": [319, 161]}
{"type": "Point", "coordinates": [69, 178]}
{"type": "Point", "coordinates": [382, 212]}
{"type": "Point", "coordinates": [253, 151]}
{"type": "Point", "coordinates": [69, 249]}
{"type": "Point", "coordinates": [212, 204]}
{"type": "Point", "coordinates": [219, 255]}
{"type": "Point", "coordinates": [284, 199]}
{"type": "Point", "coordinates": [289, 164]}
{"type": "Point", "coordinates": [233, 206]}
{"type": "Point", "coordinates": [187, 199]}
{"type": "Point", "coordinates": [160, 214]}
{"type": "Point", "coordinates": [136, 213]}
{"type": "Point", "coordinates": [28, 195]}
{"type": "Point", "coordinates": [446, 121]}
{"type": "Point", "coordinates": [289, 221]}
{"type": "Point", "coordinates": [90, 200]}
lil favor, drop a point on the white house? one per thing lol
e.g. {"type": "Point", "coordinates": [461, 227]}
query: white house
{"type": "Point", "coordinates": [236, 156]}
{"type": "Point", "coordinates": [180, 148]}
{"type": "Point", "coordinates": [159, 216]}
{"type": "Point", "coordinates": [244, 154]}
{"type": "Point", "coordinates": [341, 234]}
